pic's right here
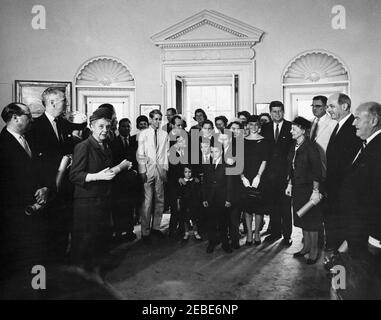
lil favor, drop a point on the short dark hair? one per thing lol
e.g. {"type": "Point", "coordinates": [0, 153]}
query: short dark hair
{"type": "Point", "coordinates": [202, 111]}
{"type": "Point", "coordinates": [140, 119]}
{"type": "Point", "coordinates": [10, 110]}
{"type": "Point", "coordinates": [302, 123]}
{"type": "Point", "coordinates": [343, 98]}
{"type": "Point", "coordinates": [275, 103]}
{"type": "Point", "coordinates": [207, 121]}
{"type": "Point", "coordinates": [173, 110]}
{"type": "Point", "coordinates": [124, 120]}
{"type": "Point", "coordinates": [155, 111]}
{"type": "Point", "coordinates": [265, 114]}
{"type": "Point", "coordinates": [323, 99]}
{"type": "Point", "coordinates": [222, 118]}
{"type": "Point", "coordinates": [244, 113]}
{"type": "Point", "coordinates": [173, 120]}
{"type": "Point", "coordinates": [239, 123]}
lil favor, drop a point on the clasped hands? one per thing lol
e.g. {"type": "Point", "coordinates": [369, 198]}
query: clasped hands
{"type": "Point", "coordinates": [254, 184]}
{"type": "Point", "coordinates": [227, 204]}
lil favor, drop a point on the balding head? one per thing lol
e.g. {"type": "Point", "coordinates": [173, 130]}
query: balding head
{"type": "Point", "coordinates": [367, 119]}
{"type": "Point", "coordinates": [339, 106]}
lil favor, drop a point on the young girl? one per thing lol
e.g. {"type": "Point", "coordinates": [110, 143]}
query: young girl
{"type": "Point", "coordinates": [188, 202]}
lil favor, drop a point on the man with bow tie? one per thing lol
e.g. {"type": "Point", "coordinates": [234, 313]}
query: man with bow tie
{"type": "Point", "coordinates": [22, 240]}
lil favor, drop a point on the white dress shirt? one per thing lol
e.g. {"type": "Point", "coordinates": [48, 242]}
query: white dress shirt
{"type": "Point", "coordinates": [53, 123]}
{"type": "Point", "coordinates": [22, 141]}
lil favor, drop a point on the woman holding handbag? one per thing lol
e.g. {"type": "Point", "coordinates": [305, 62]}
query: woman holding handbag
{"type": "Point", "coordinates": [256, 154]}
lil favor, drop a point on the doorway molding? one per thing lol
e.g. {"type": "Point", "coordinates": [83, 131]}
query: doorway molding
{"type": "Point", "coordinates": [208, 44]}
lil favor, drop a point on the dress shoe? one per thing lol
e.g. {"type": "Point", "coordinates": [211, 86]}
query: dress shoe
{"type": "Point", "coordinates": [257, 242]}
{"type": "Point", "coordinates": [127, 237]}
{"type": "Point", "coordinates": [273, 238]}
{"type": "Point", "coordinates": [158, 233]}
{"type": "Point", "coordinates": [299, 254]}
{"type": "Point", "coordinates": [286, 242]}
{"type": "Point", "coordinates": [197, 236]}
{"type": "Point", "coordinates": [146, 240]}
{"type": "Point", "coordinates": [227, 248]}
{"type": "Point", "coordinates": [311, 261]}
{"type": "Point", "coordinates": [236, 245]}
{"type": "Point", "coordinates": [210, 248]}
{"type": "Point", "coordinates": [249, 243]}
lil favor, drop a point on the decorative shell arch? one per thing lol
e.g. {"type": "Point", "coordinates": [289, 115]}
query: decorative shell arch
{"type": "Point", "coordinates": [315, 67]}
{"type": "Point", "coordinates": [104, 72]}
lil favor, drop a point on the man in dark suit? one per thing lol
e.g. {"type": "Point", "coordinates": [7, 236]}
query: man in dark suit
{"type": "Point", "coordinates": [21, 235]}
{"type": "Point", "coordinates": [342, 148]}
{"type": "Point", "coordinates": [171, 112]}
{"type": "Point", "coordinates": [360, 201]}
{"type": "Point", "coordinates": [279, 135]}
{"type": "Point", "coordinates": [51, 137]}
{"type": "Point", "coordinates": [216, 193]}
{"type": "Point", "coordinates": [124, 185]}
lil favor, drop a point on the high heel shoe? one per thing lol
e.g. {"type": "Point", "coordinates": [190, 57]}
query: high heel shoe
{"type": "Point", "coordinates": [300, 254]}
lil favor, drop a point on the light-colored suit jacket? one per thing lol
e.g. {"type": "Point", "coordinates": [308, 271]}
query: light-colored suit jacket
{"type": "Point", "coordinates": [325, 129]}
{"type": "Point", "coordinates": [149, 159]}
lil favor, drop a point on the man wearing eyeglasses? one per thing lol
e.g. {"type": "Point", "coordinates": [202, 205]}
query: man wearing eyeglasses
{"type": "Point", "coordinates": [51, 137]}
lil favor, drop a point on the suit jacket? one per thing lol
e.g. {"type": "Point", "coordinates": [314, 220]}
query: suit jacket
{"type": "Point", "coordinates": [276, 168]}
{"type": "Point", "coordinates": [89, 157]}
{"type": "Point", "coordinates": [325, 128]}
{"type": "Point", "coordinates": [308, 167]}
{"type": "Point", "coordinates": [21, 235]}
{"type": "Point", "coordinates": [148, 159]}
{"type": "Point", "coordinates": [119, 152]}
{"type": "Point", "coordinates": [341, 150]}
{"type": "Point", "coordinates": [216, 186]}
{"type": "Point", "coordinates": [360, 195]}
{"type": "Point", "coordinates": [49, 149]}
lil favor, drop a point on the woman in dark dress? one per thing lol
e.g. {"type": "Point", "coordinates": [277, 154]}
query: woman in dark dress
{"type": "Point", "coordinates": [305, 173]}
{"type": "Point", "coordinates": [92, 177]}
{"type": "Point", "coordinates": [256, 155]}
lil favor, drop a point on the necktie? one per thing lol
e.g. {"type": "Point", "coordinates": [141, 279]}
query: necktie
{"type": "Point", "coordinates": [25, 145]}
{"type": "Point", "coordinates": [360, 151]}
{"type": "Point", "coordinates": [57, 129]}
{"type": "Point", "coordinates": [314, 129]}
{"type": "Point", "coordinates": [125, 142]}
{"type": "Point", "coordinates": [335, 130]}
{"type": "Point", "coordinates": [276, 132]}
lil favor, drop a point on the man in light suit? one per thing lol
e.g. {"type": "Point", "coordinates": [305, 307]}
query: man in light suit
{"type": "Point", "coordinates": [321, 130]}
{"type": "Point", "coordinates": [152, 157]}
{"type": "Point", "coordinates": [360, 199]}
{"type": "Point", "coordinates": [342, 148]}
{"type": "Point", "coordinates": [22, 236]}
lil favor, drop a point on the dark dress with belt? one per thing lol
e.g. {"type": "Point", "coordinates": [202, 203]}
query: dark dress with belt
{"type": "Point", "coordinates": [92, 205]}
{"type": "Point", "coordinates": [256, 151]}
{"type": "Point", "coordinates": [307, 168]}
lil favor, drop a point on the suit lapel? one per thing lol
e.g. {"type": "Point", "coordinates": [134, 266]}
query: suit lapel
{"type": "Point", "coordinates": [15, 145]}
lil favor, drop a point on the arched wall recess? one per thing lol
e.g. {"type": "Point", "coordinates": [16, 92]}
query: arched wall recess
{"type": "Point", "coordinates": [312, 73]}
{"type": "Point", "coordinates": [105, 79]}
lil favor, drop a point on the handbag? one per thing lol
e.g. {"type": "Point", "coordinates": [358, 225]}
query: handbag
{"type": "Point", "coordinates": [254, 194]}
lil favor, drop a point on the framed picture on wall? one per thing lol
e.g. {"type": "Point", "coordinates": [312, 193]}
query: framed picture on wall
{"type": "Point", "coordinates": [262, 108]}
{"type": "Point", "coordinates": [29, 92]}
{"type": "Point", "coordinates": [145, 109]}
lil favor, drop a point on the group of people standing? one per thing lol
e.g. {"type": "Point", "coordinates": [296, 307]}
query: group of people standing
{"type": "Point", "coordinates": [212, 178]}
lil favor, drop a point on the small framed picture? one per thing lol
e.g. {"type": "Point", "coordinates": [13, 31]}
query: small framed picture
{"type": "Point", "coordinates": [262, 108]}
{"type": "Point", "coordinates": [29, 92]}
{"type": "Point", "coordinates": [145, 109]}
